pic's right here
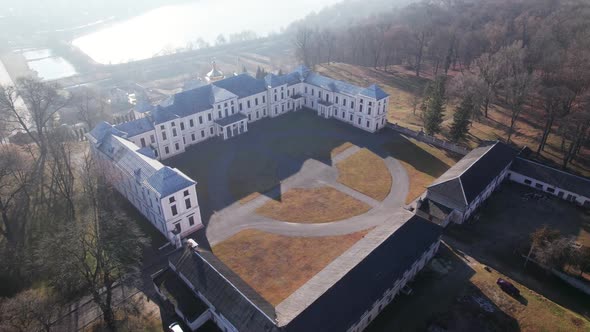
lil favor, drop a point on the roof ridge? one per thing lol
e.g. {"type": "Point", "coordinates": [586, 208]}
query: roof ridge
{"type": "Point", "coordinates": [553, 168]}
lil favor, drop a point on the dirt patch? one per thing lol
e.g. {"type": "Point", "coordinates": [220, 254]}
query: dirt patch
{"type": "Point", "coordinates": [275, 265]}
{"type": "Point", "coordinates": [367, 173]}
{"type": "Point", "coordinates": [423, 163]}
{"type": "Point", "coordinates": [315, 205]}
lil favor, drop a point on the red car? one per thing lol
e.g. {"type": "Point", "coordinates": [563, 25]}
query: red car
{"type": "Point", "coordinates": [508, 287]}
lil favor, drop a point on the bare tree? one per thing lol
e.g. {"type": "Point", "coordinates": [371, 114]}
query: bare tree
{"type": "Point", "coordinates": [30, 310]}
{"type": "Point", "coordinates": [90, 105]}
{"type": "Point", "coordinates": [303, 44]}
{"type": "Point", "coordinates": [98, 253]}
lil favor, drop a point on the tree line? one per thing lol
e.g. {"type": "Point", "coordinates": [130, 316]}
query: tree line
{"type": "Point", "coordinates": [518, 54]}
{"type": "Point", "coordinates": [62, 235]}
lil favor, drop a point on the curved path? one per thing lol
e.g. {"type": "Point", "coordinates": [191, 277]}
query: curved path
{"type": "Point", "coordinates": [238, 217]}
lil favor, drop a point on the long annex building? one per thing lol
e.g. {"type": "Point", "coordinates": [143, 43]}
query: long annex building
{"type": "Point", "coordinates": [220, 109]}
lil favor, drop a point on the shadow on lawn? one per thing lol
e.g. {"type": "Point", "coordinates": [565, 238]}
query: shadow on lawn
{"type": "Point", "coordinates": [447, 300]}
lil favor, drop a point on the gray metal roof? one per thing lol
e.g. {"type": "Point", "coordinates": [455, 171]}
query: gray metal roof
{"type": "Point", "coordinates": [230, 295]}
{"type": "Point", "coordinates": [242, 85]}
{"type": "Point", "coordinates": [136, 127]}
{"type": "Point", "coordinates": [552, 176]}
{"type": "Point", "coordinates": [465, 180]}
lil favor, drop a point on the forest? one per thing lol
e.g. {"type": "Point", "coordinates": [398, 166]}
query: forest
{"type": "Point", "coordinates": [520, 54]}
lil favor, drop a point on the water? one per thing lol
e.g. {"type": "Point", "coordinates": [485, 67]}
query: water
{"type": "Point", "coordinates": [48, 66]}
{"type": "Point", "coordinates": [169, 28]}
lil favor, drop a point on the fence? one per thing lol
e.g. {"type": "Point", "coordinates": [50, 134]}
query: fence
{"type": "Point", "coordinates": [421, 136]}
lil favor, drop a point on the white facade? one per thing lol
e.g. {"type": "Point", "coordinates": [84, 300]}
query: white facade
{"type": "Point", "coordinates": [165, 196]}
{"type": "Point", "coordinates": [279, 95]}
{"type": "Point", "coordinates": [549, 189]}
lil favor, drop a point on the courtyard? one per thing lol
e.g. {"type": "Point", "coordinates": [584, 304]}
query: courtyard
{"type": "Point", "coordinates": [310, 186]}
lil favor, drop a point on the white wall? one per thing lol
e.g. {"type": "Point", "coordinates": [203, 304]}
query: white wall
{"type": "Point", "coordinates": [545, 187]}
{"type": "Point", "coordinates": [391, 293]}
{"type": "Point", "coordinates": [182, 212]}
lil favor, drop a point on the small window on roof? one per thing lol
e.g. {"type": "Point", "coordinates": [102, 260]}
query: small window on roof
{"type": "Point", "coordinates": [186, 193]}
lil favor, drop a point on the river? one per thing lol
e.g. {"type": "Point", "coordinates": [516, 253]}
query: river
{"type": "Point", "coordinates": [169, 28]}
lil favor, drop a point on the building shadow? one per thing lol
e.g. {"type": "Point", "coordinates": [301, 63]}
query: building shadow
{"type": "Point", "coordinates": [444, 298]}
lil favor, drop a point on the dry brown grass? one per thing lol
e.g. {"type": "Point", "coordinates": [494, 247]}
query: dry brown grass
{"type": "Point", "coordinates": [315, 205]}
{"type": "Point", "coordinates": [367, 173]}
{"type": "Point", "coordinates": [402, 85]}
{"type": "Point", "coordinates": [423, 163]}
{"type": "Point", "coordinates": [275, 265]}
{"type": "Point", "coordinates": [341, 148]}
{"type": "Point", "coordinates": [538, 314]}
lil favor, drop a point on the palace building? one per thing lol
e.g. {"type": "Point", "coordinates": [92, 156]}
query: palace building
{"type": "Point", "coordinates": [223, 108]}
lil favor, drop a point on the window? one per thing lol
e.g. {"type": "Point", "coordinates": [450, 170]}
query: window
{"type": "Point", "coordinates": [166, 150]}
{"type": "Point", "coordinates": [361, 100]}
{"type": "Point", "coordinates": [370, 104]}
{"type": "Point", "coordinates": [174, 210]}
{"type": "Point", "coordinates": [527, 182]}
{"type": "Point", "coordinates": [219, 106]}
{"type": "Point", "coordinates": [550, 190]}
{"type": "Point", "coordinates": [200, 119]}
{"type": "Point", "coordinates": [351, 117]}
{"type": "Point", "coordinates": [152, 139]}
{"type": "Point", "coordinates": [336, 99]}
{"type": "Point", "coordinates": [187, 202]}
{"type": "Point", "coordinates": [219, 114]}
{"type": "Point", "coordinates": [224, 104]}
{"type": "Point", "coordinates": [142, 142]}
{"type": "Point", "coordinates": [164, 135]}
{"type": "Point", "coordinates": [343, 101]}
{"type": "Point", "coordinates": [191, 122]}
{"type": "Point", "coordinates": [193, 137]}
{"type": "Point", "coordinates": [275, 97]}
{"type": "Point", "coordinates": [182, 126]}
{"type": "Point", "coordinates": [263, 99]}
{"type": "Point", "coordinates": [361, 108]}
{"type": "Point", "coordinates": [359, 122]}
{"type": "Point", "coordinates": [177, 227]}
{"type": "Point", "coordinates": [209, 116]}
{"type": "Point", "coordinates": [352, 104]}
{"type": "Point", "coordinates": [305, 89]}
{"type": "Point", "coordinates": [177, 146]}
{"type": "Point", "coordinates": [320, 94]}
{"type": "Point", "coordinates": [172, 199]}
{"type": "Point", "coordinates": [312, 91]}
{"type": "Point", "coordinates": [162, 127]}
{"type": "Point", "coordinates": [257, 114]}
{"type": "Point", "coordinates": [367, 124]}
{"type": "Point", "coordinates": [202, 133]}
{"type": "Point", "coordinates": [191, 220]}
{"type": "Point", "coordinates": [211, 130]}
{"type": "Point", "coordinates": [282, 95]}
{"type": "Point", "coordinates": [539, 185]}
{"type": "Point", "coordinates": [240, 107]}
{"type": "Point", "coordinates": [174, 133]}
{"type": "Point", "coordinates": [256, 101]}
{"type": "Point", "coordinates": [173, 124]}
{"type": "Point", "coordinates": [369, 111]}
{"type": "Point", "coordinates": [248, 103]}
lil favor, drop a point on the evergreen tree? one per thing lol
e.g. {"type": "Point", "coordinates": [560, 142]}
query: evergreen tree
{"type": "Point", "coordinates": [433, 106]}
{"type": "Point", "coordinates": [258, 72]}
{"type": "Point", "coordinates": [461, 118]}
{"type": "Point", "coordinates": [244, 70]}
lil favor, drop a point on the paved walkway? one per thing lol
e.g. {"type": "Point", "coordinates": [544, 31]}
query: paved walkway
{"type": "Point", "coordinates": [237, 216]}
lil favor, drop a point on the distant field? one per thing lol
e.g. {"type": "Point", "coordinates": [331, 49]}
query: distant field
{"type": "Point", "coordinates": [402, 86]}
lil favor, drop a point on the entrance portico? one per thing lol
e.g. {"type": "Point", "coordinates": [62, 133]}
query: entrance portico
{"type": "Point", "coordinates": [232, 125]}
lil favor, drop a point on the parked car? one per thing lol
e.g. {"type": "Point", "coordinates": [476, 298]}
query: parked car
{"type": "Point", "coordinates": [508, 287]}
{"type": "Point", "coordinates": [174, 327]}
